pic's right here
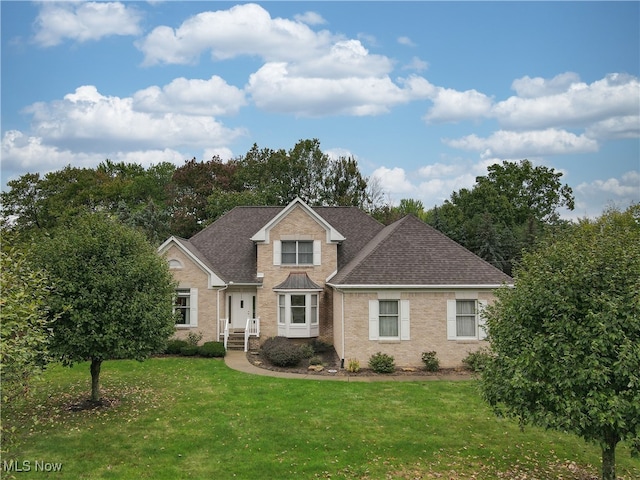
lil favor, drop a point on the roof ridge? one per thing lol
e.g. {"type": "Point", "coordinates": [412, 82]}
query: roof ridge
{"type": "Point", "coordinates": [370, 248]}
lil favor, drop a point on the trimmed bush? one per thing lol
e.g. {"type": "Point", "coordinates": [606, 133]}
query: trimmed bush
{"type": "Point", "coordinates": [382, 363]}
{"type": "Point", "coordinates": [194, 338]}
{"type": "Point", "coordinates": [189, 351]}
{"type": "Point", "coordinates": [320, 346]}
{"type": "Point", "coordinates": [212, 349]}
{"type": "Point", "coordinates": [306, 351]}
{"type": "Point", "coordinates": [477, 361]}
{"type": "Point", "coordinates": [174, 346]}
{"type": "Point", "coordinates": [315, 360]}
{"type": "Point", "coordinates": [281, 352]}
{"type": "Point", "coordinates": [431, 362]}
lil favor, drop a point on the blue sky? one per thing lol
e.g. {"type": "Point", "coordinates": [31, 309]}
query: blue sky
{"type": "Point", "coordinates": [425, 95]}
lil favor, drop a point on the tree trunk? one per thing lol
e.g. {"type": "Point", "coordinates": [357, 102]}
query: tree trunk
{"type": "Point", "coordinates": [609, 457]}
{"type": "Point", "coordinates": [95, 379]}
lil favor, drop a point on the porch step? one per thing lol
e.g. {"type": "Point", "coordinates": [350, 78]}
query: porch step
{"type": "Point", "coordinates": [235, 341]}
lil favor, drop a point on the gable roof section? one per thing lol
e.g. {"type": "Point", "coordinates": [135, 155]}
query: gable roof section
{"type": "Point", "coordinates": [227, 242]}
{"type": "Point", "coordinates": [262, 235]}
{"type": "Point", "coordinates": [196, 256]}
{"type": "Point", "coordinates": [411, 253]}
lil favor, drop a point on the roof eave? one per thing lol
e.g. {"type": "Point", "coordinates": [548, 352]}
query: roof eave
{"type": "Point", "coordinates": [418, 287]}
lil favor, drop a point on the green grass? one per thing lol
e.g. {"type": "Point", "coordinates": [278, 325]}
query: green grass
{"type": "Point", "coordinates": [177, 418]}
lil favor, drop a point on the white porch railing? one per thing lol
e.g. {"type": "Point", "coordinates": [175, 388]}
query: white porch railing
{"type": "Point", "coordinates": [225, 331]}
{"type": "Point", "coordinates": [252, 328]}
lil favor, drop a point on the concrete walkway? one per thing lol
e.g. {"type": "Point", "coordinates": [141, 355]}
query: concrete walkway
{"type": "Point", "coordinates": [237, 360]}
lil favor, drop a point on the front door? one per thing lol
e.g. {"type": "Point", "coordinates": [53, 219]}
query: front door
{"type": "Point", "coordinates": [241, 307]}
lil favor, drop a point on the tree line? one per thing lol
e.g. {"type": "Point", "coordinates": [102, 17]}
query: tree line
{"type": "Point", "coordinates": [503, 214]}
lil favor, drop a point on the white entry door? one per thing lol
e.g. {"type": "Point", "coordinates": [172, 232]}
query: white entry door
{"type": "Point", "coordinates": [241, 305]}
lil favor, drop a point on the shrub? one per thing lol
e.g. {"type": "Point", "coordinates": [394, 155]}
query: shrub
{"type": "Point", "coordinates": [315, 360]}
{"type": "Point", "coordinates": [193, 338]}
{"type": "Point", "coordinates": [431, 362]}
{"type": "Point", "coordinates": [281, 352]}
{"type": "Point", "coordinates": [382, 363]}
{"type": "Point", "coordinates": [306, 351]}
{"type": "Point", "coordinates": [477, 361]}
{"type": "Point", "coordinates": [353, 365]}
{"type": "Point", "coordinates": [320, 346]}
{"type": "Point", "coordinates": [189, 351]}
{"type": "Point", "coordinates": [174, 346]}
{"type": "Point", "coordinates": [212, 349]}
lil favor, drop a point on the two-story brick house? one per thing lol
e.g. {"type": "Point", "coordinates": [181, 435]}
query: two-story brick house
{"type": "Point", "coordinates": [333, 273]}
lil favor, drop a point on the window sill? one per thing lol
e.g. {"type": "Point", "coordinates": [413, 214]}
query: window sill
{"type": "Point", "coordinates": [389, 340]}
{"type": "Point", "coordinates": [185, 327]}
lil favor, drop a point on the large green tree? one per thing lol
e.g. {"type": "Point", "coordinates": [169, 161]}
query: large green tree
{"type": "Point", "coordinates": [566, 337]}
{"type": "Point", "coordinates": [114, 294]}
{"type": "Point", "coordinates": [506, 211]}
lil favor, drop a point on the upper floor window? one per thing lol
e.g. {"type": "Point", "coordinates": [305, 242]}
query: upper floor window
{"type": "Point", "coordinates": [297, 252]}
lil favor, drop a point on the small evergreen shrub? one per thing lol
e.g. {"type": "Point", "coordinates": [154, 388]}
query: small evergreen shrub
{"type": "Point", "coordinates": [174, 346]}
{"type": "Point", "coordinates": [315, 360]}
{"type": "Point", "coordinates": [189, 351]}
{"type": "Point", "coordinates": [353, 365]}
{"type": "Point", "coordinates": [431, 362]}
{"type": "Point", "coordinates": [212, 349]}
{"type": "Point", "coordinates": [477, 361]}
{"type": "Point", "coordinates": [281, 352]}
{"type": "Point", "coordinates": [320, 346]}
{"type": "Point", "coordinates": [307, 351]}
{"type": "Point", "coordinates": [382, 363]}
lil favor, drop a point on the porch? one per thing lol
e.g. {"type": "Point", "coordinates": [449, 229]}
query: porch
{"type": "Point", "coordinates": [238, 338]}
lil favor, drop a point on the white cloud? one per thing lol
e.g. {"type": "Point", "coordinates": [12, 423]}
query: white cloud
{"type": "Point", "coordinates": [616, 128]}
{"type": "Point", "coordinates": [274, 88]}
{"type": "Point", "coordinates": [406, 41]}
{"type": "Point", "coordinates": [394, 181]}
{"type": "Point", "coordinates": [242, 30]}
{"type": "Point", "coordinates": [84, 21]}
{"type": "Point", "coordinates": [452, 106]}
{"type": "Point", "coordinates": [564, 101]}
{"type": "Point", "coordinates": [89, 119]}
{"type": "Point", "coordinates": [591, 197]}
{"type": "Point", "coordinates": [527, 87]}
{"type": "Point", "coordinates": [416, 64]}
{"type": "Point", "coordinates": [310, 18]}
{"type": "Point", "coordinates": [526, 144]}
{"type": "Point", "coordinates": [194, 97]}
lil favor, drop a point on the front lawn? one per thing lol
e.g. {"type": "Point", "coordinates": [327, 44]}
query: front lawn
{"type": "Point", "coordinates": [173, 418]}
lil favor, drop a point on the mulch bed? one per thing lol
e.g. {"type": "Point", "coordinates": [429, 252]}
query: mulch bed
{"type": "Point", "coordinates": [331, 364]}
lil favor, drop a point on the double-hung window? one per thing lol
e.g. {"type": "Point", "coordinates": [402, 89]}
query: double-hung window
{"type": "Point", "coordinates": [464, 320]}
{"type": "Point", "coordinates": [186, 307]}
{"type": "Point", "coordinates": [389, 319]}
{"type": "Point", "coordinates": [297, 252]}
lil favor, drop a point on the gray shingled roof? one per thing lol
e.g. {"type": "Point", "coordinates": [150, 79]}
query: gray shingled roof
{"type": "Point", "coordinates": [410, 252]}
{"type": "Point", "coordinates": [298, 281]}
{"type": "Point", "coordinates": [407, 252]}
{"type": "Point", "coordinates": [227, 244]}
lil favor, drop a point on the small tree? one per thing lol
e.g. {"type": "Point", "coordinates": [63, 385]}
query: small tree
{"type": "Point", "coordinates": [566, 338]}
{"type": "Point", "coordinates": [113, 292]}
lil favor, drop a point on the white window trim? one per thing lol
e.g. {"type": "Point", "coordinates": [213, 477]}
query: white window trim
{"type": "Point", "coordinates": [193, 309]}
{"type": "Point", "coordinates": [481, 333]}
{"type": "Point", "coordinates": [310, 323]}
{"type": "Point", "coordinates": [404, 320]}
{"type": "Point", "coordinates": [277, 252]}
